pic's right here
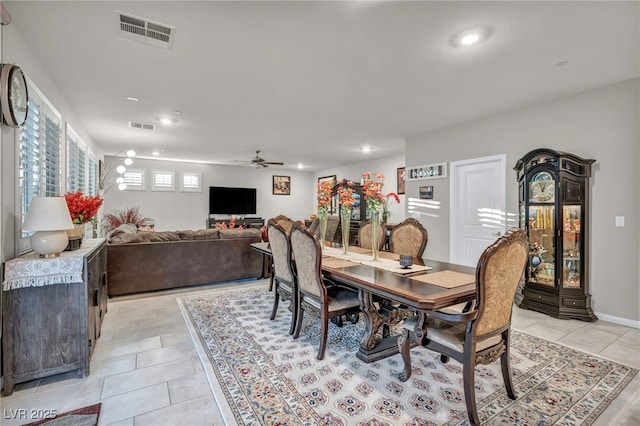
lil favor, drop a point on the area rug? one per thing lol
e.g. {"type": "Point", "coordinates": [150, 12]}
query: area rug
{"type": "Point", "coordinates": [85, 416]}
{"type": "Point", "coordinates": [260, 375]}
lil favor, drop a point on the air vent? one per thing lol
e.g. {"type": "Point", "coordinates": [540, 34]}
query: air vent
{"type": "Point", "coordinates": [145, 31]}
{"type": "Point", "coordinates": [142, 126]}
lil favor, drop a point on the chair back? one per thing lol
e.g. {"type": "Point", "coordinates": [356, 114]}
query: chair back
{"type": "Point", "coordinates": [280, 251]}
{"type": "Point", "coordinates": [332, 226]}
{"type": "Point", "coordinates": [497, 276]}
{"type": "Point", "coordinates": [308, 255]}
{"type": "Point", "coordinates": [408, 237]}
{"type": "Point", "coordinates": [365, 236]}
{"type": "Point", "coordinates": [284, 221]}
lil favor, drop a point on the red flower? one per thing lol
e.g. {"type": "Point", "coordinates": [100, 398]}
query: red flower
{"type": "Point", "coordinates": [83, 208]}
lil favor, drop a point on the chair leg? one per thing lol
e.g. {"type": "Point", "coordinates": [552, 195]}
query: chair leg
{"type": "Point", "coordinates": [506, 367]}
{"type": "Point", "coordinates": [324, 331]}
{"type": "Point", "coordinates": [271, 279]}
{"type": "Point", "coordinates": [468, 374]}
{"type": "Point", "coordinates": [404, 346]}
{"type": "Point", "coordinates": [444, 358]}
{"type": "Point", "coordinates": [275, 303]}
{"type": "Point", "coordinates": [294, 312]}
{"type": "Point", "coordinates": [299, 315]}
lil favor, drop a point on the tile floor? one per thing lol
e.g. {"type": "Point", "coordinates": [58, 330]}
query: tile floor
{"type": "Point", "coordinates": [145, 369]}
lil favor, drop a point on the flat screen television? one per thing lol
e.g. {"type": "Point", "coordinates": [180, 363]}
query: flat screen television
{"type": "Point", "coordinates": [237, 201]}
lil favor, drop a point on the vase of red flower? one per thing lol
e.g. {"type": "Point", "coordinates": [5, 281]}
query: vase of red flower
{"type": "Point", "coordinates": [83, 209]}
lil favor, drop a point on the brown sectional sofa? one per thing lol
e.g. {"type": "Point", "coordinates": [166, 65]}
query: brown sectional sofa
{"type": "Point", "coordinates": [139, 261]}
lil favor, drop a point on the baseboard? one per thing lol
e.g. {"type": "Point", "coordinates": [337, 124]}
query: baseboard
{"type": "Point", "coordinates": [618, 320]}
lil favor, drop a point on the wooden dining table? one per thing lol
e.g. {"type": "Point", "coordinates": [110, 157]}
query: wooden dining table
{"type": "Point", "coordinates": [389, 293]}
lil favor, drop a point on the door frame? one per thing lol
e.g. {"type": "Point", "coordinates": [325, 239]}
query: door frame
{"type": "Point", "coordinates": [453, 186]}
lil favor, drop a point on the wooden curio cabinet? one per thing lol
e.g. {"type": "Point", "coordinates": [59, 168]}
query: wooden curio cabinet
{"type": "Point", "coordinates": [554, 210]}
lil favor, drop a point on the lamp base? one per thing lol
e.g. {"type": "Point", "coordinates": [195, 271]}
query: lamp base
{"type": "Point", "coordinates": [49, 243]}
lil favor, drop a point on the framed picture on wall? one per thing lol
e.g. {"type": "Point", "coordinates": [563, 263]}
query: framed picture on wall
{"type": "Point", "coordinates": [332, 178]}
{"type": "Point", "coordinates": [281, 185]}
{"type": "Point", "coordinates": [401, 181]}
{"type": "Point", "coordinates": [426, 192]}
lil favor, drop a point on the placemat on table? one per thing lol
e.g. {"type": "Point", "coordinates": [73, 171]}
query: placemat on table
{"type": "Point", "coordinates": [446, 279]}
{"type": "Point", "coordinates": [333, 262]}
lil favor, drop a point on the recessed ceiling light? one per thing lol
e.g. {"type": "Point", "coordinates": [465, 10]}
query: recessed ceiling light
{"type": "Point", "coordinates": [300, 166]}
{"type": "Point", "coordinates": [165, 120]}
{"type": "Point", "coordinates": [470, 36]}
{"type": "Point", "coordinates": [366, 149]}
{"type": "Point", "coordinates": [156, 153]}
{"type": "Point", "coordinates": [132, 99]}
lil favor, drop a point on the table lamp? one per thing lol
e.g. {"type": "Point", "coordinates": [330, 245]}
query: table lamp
{"type": "Point", "coordinates": [49, 217]}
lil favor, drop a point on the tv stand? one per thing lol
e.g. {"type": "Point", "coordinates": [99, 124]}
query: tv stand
{"type": "Point", "coordinates": [248, 222]}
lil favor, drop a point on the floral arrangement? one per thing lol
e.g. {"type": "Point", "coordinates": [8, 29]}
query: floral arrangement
{"type": "Point", "coordinates": [231, 225]}
{"type": "Point", "coordinates": [345, 195]}
{"type": "Point", "coordinates": [83, 208]}
{"type": "Point", "coordinates": [324, 197]}
{"type": "Point", "coordinates": [111, 221]}
{"type": "Point", "coordinates": [372, 189]}
{"type": "Point", "coordinates": [385, 206]}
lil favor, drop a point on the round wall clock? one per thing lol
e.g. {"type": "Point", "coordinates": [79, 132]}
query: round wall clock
{"type": "Point", "coordinates": [14, 97]}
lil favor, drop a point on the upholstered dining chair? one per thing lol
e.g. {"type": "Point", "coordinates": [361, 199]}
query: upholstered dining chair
{"type": "Point", "coordinates": [323, 299]}
{"type": "Point", "coordinates": [332, 226]}
{"type": "Point", "coordinates": [481, 335]}
{"type": "Point", "coordinates": [365, 236]}
{"type": "Point", "coordinates": [282, 269]}
{"type": "Point", "coordinates": [408, 237]}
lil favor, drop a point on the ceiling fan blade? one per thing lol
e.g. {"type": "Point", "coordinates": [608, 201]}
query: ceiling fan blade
{"type": "Point", "coordinates": [273, 163]}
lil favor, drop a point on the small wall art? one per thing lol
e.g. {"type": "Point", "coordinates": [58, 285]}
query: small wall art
{"type": "Point", "coordinates": [401, 180]}
{"type": "Point", "coordinates": [426, 192]}
{"type": "Point", "coordinates": [281, 185]}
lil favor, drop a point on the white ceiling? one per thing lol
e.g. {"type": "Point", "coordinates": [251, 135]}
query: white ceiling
{"type": "Point", "coordinates": [312, 82]}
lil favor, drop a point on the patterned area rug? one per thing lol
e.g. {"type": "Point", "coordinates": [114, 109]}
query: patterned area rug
{"type": "Point", "coordinates": [261, 375]}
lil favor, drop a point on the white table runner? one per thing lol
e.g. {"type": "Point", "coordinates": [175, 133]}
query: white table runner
{"type": "Point", "coordinates": [30, 270]}
{"type": "Point", "coordinates": [367, 259]}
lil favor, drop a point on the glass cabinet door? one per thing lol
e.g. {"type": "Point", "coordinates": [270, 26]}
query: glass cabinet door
{"type": "Point", "coordinates": [541, 216]}
{"type": "Point", "coordinates": [571, 246]}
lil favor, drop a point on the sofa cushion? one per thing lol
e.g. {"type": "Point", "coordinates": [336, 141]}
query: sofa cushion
{"type": "Point", "coordinates": [125, 228]}
{"type": "Point", "coordinates": [227, 234]}
{"type": "Point", "coordinates": [206, 234]}
{"type": "Point", "coordinates": [144, 237]}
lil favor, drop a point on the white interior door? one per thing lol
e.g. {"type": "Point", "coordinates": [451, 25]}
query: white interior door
{"type": "Point", "coordinates": [478, 206]}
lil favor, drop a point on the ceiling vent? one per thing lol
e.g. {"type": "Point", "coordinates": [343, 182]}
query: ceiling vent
{"type": "Point", "coordinates": [142, 126]}
{"type": "Point", "coordinates": [145, 31]}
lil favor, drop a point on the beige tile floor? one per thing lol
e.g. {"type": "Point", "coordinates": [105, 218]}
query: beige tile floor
{"type": "Point", "coordinates": [145, 369]}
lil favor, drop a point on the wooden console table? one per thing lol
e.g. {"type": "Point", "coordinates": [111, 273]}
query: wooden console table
{"type": "Point", "coordinates": [52, 312]}
{"type": "Point", "coordinates": [248, 222]}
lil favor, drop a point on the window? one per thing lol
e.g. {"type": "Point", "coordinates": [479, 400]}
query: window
{"type": "Point", "coordinates": [92, 175]}
{"type": "Point", "coordinates": [76, 162]}
{"type": "Point", "coordinates": [191, 182]}
{"type": "Point", "coordinates": [134, 179]}
{"type": "Point", "coordinates": [163, 181]}
{"type": "Point", "coordinates": [40, 147]}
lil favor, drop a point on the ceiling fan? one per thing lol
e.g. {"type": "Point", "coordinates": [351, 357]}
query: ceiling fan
{"type": "Point", "coordinates": [258, 161]}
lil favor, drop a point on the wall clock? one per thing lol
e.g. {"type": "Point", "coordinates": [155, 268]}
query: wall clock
{"type": "Point", "coordinates": [14, 96]}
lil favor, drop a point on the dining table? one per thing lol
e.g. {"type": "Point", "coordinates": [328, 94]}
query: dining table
{"type": "Point", "coordinates": [389, 292]}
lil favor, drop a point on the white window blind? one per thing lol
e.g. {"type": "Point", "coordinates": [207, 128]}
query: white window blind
{"type": "Point", "coordinates": [163, 181]}
{"type": "Point", "coordinates": [40, 147]}
{"type": "Point", "coordinates": [76, 162]}
{"type": "Point", "coordinates": [134, 178]}
{"type": "Point", "coordinates": [191, 182]}
{"type": "Point", "coordinates": [92, 175]}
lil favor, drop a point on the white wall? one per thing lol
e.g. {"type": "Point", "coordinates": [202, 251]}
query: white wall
{"type": "Point", "coordinates": [386, 166]}
{"type": "Point", "coordinates": [185, 210]}
{"type": "Point", "coordinates": [601, 124]}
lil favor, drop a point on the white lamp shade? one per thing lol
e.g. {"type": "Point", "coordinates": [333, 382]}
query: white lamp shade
{"type": "Point", "coordinates": [48, 214]}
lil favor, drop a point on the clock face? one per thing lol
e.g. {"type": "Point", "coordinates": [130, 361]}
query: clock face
{"type": "Point", "coordinates": [14, 96]}
{"type": "Point", "coordinates": [18, 95]}
{"type": "Point", "coordinates": [542, 188]}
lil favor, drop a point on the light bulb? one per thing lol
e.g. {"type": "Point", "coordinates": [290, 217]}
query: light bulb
{"type": "Point", "coordinates": [122, 186]}
{"type": "Point", "coordinates": [120, 180]}
{"type": "Point", "coordinates": [469, 39]}
{"type": "Point", "coordinates": [121, 169]}
{"type": "Point", "coordinates": [131, 153]}
{"type": "Point", "coordinates": [128, 161]}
